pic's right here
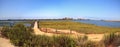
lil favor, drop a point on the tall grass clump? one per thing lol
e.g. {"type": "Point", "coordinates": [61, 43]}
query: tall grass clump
{"type": "Point", "coordinates": [64, 41]}
{"type": "Point", "coordinates": [112, 40]}
{"type": "Point", "coordinates": [40, 41]}
{"type": "Point", "coordinates": [84, 42]}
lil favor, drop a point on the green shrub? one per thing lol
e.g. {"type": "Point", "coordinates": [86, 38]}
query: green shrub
{"type": "Point", "coordinates": [17, 34]}
{"type": "Point", "coordinates": [5, 31]}
{"type": "Point", "coordinates": [39, 41]}
{"type": "Point", "coordinates": [84, 42]}
{"type": "Point", "coordinates": [64, 41]}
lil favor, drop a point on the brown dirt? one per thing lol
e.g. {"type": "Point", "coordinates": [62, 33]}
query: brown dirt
{"type": "Point", "coordinates": [5, 43]}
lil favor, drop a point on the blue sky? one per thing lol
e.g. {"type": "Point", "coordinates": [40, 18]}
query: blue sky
{"type": "Point", "coordinates": [42, 9]}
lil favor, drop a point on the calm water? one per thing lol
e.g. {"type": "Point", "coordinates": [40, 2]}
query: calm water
{"type": "Point", "coordinates": [11, 23]}
{"type": "Point", "coordinates": [96, 22]}
{"type": "Point", "coordinates": [100, 23]}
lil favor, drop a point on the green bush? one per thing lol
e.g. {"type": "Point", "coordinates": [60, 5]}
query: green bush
{"type": "Point", "coordinates": [84, 42]}
{"type": "Point", "coordinates": [39, 41]}
{"type": "Point", "coordinates": [17, 34]}
{"type": "Point", "coordinates": [64, 41]}
{"type": "Point", "coordinates": [5, 31]}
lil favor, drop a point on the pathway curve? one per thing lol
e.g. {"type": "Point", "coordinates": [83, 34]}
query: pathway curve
{"type": "Point", "coordinates": [92, 37]}
{"type": "Point", "coordinates": [38, 32]}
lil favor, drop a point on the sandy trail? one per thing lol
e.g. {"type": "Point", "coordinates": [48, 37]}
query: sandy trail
{"type": "Point", "coordinates": [95, 37]}
{"type": "Point", "coordinates": [92, 37]}
{"type": "Point", "coordinates": [38, 32]}
{"type": "Point", "coordinates": [5, 42]}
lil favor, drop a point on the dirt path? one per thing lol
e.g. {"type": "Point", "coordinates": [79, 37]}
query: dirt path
{"type": "Point", "coordinates": [92, 37]}
{"type": "Point", "coordinates": [38, 32]}
{"type": "Point", "coordinates": [95, 37]}
{"type": "Point", "coordinates": [5, 43]}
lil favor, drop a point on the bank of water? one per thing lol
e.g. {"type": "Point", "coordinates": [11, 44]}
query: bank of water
{"type": "Point", "coordinates": [11, 23]}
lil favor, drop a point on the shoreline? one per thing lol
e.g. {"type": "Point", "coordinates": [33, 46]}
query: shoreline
{"type": "Point", "coordinates": [111, 20]}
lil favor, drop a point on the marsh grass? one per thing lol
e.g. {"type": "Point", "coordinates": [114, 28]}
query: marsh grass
{"type": "Point", "coordinates": [77, 26]}
{"type": "Point", "coordinates": [111, 39]}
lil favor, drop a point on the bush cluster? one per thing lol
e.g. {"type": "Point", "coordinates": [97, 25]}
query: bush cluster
{"type": "Point", "coordinates": [22, 36]}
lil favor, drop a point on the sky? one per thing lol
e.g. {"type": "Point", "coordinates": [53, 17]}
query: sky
{"type": "Point", "coordinates": [44, 9]}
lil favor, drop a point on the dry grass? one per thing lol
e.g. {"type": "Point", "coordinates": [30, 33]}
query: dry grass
{"type": "Point", "coordinates": [76, 26]}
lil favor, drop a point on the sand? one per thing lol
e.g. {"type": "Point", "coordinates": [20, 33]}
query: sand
{"type": "Point", "coordinates": [5, 43]}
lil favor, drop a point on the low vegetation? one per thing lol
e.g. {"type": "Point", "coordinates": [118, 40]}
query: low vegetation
{"type": "Point", "coordinates": [22, 36]}
{"type": "Point", "coordinates": [77, 26]}
{"type": "Point", "coordinates": [112, 40]}
{"type": "Point", "coordinates": [18, 34]}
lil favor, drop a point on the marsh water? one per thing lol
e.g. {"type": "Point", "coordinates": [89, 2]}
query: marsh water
{"type": "Point", "coordinates": [96, 22]}
{"type": "Point", "coordinates": [100, 23]}
{"type": "Point", "coordinates": [11, 23]}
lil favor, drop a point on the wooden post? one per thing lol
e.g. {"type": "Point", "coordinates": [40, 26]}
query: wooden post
{"type": "Point", "coordinates": [70, 30]}
{"type": "Point", "coordinates": [46, 29]}
{"type": "Point", "coordinates": [56, 30]}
